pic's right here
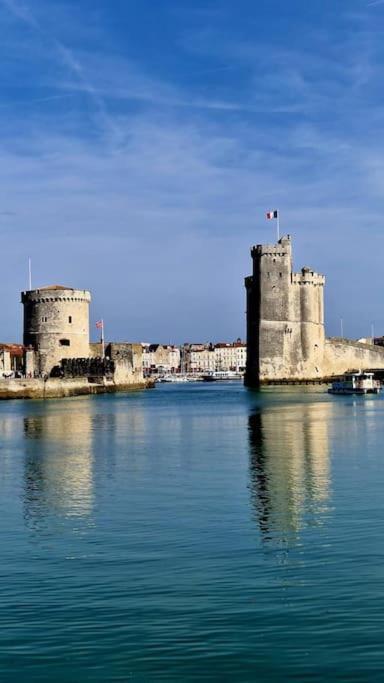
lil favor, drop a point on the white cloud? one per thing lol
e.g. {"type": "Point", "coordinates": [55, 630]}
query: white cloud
{"type": "Point", "coordinates": [156, 205]}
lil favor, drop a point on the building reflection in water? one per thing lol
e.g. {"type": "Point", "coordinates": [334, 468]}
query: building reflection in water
{"type": "Point", "coordinates": [58, 464]}
{"type": "Point", "coordinates": [289, 467]}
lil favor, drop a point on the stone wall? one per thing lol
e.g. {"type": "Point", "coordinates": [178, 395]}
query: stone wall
{"type": "Point", "coordinates": [128, 362]}
{"type": "Point", "coordinates": [61, 388]}
{"type": "Point", "coordinates": [95, 350]}
{"type": "Point", "coordinates": [342, 355]}
{"type": "Point", "coordinates": [84, 367]}
{"type": "Point", "coordinates": [122, 365]}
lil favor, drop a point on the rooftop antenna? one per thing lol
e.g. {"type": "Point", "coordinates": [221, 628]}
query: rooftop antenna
{"type": "Point", "coordinates": [30, 273]}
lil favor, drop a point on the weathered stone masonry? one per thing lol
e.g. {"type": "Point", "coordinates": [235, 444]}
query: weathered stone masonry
{"type": "Point", "coordinates": [56, 324]}
{"type": "Point", "coordinates": [59, 359]}
{"type": "Point", "coordinates": [285, 323]}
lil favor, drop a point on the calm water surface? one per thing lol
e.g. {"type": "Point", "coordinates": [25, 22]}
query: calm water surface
{"type": "Point", "coordinates": [192, 533]}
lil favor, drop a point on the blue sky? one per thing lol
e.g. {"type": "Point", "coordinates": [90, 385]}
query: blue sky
{"type": "Point", "coordinates": [142, 142]}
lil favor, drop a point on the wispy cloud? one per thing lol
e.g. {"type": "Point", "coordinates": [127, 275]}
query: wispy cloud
{"type": "Point", "coordinates": [67, 58]}
{"type": "Point", "coordinates": [174, 174]}
{"type": "Point", "coordinates": [37, 100]}
{"type": "Point", "coordinates": [21, 11]}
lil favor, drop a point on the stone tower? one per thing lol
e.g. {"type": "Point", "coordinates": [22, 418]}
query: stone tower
{"type": "Point", "coordinates": [285, 317]}
{"type": "Point", "coordinates": [56, 324]}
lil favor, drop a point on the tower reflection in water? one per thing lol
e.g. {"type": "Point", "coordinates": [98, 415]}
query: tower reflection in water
{"type": "Point", "coordinates": [289, 468]}
{"type": "Point", "coordinates": [58, 464]}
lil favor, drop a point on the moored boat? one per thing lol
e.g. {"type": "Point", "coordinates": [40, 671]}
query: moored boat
{"type": "Point", "coordinates": [173, 379]}
{"type": "Point", "coordinates": [222, 375]}
{"type": "Point", "coordinates": [356, 383]}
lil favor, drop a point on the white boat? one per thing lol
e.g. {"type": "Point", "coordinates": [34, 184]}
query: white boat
{"type": "Point", "coordinates": [222, 375]}
{"type": "Point", "coordinates": [174, 379]}
{"type": "Point", "coordinates": [356, 383]}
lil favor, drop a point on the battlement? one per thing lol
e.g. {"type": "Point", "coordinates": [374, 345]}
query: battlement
{"type": "Point", "coordinates": [248, 281]}
{"type": "Point", "coordinates": [308, 277]}
{"type": "Point", "coordinates": [282, 248]}
{"type": "Point", "coordinates": [54, 294]}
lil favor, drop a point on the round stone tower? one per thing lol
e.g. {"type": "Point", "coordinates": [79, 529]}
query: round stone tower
{"type": "Point", "coordinates": [56, 324]}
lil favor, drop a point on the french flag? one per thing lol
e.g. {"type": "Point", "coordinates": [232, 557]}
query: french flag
{"type": "Point", "coordinates": [272, 214]}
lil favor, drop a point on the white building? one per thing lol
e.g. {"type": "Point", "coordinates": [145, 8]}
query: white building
{"type": "Point", "coordinates": [230, 356]}
{"type": "Point", "coordinates": [202, 358]}
{"type": "Point", "coordinates": [160, 359]}
{"type": "Point", "coordinates": [197, 358]}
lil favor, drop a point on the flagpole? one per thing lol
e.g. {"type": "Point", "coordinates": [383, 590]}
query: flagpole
{"type": "Point", "coordinates": [30, 273]}
{"type": "Point", "coordinates": [102, 340]}
{"type": "Point", "coordinates": [278, 224]}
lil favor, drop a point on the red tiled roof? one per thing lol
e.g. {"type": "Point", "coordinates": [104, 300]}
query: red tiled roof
{"type": "Point", "coordinates": [14, 349]}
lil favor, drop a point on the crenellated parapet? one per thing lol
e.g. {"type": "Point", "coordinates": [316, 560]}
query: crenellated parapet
{"type": "Point", "coordinates": [248, 281]}
{"type": "Point", "coordinates": [36, 298]}
{"type": "Point", "coordinates": [308, 277]}
{"type": "Point", "coordinates": [281, 249]}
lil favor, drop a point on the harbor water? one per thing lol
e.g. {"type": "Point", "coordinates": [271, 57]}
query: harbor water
{"type": "Point", "coordinates": [197, 532]}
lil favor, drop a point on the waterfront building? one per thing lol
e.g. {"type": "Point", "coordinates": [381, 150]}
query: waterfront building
{"type": "Point", "coordinates": [240, 355]}
{"type": "Point", "coordinates": [174, 358]}
{"type": "Point", "coordinates": [11, 359]}
{"type": "Point", "coordinates": [223, 356]}
{"type": "Point", "coordinates": [160, 359]}
{"type": "Point", "coordinates": [197, 358]}
{"type": "Point", "coordinates": [230, 356]}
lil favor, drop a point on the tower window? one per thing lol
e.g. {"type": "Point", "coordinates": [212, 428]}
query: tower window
{"type": "Point", "coordinates": [65, 342]}
{"type": "Point", "coordinates": [44, 319]}
{"type": "Point", "coordinates": [70, 319]}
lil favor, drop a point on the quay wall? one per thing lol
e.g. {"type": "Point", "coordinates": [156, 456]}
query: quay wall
{"type": "Point", "coordinates": [61, 388]}
{"type": "Point", "coordinates": [337, 357]}
{"type": "Point", "coordinates": [342, 355]}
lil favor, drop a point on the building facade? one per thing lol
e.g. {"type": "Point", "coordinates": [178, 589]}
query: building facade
{"type": "Point", "coordinates": [230, 356]}
{"type": "Point", "coordinates": [11, 359]}
{"type": "Point", "coordinates": [221, 357]}
{"type": "Point", "coordinates": [160, 359]}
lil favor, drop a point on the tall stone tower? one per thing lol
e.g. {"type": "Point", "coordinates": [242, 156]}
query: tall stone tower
{"type": "Point", "coordinates": [285, 317]}
{"type": "Point", "coordinates": [56, 324]}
